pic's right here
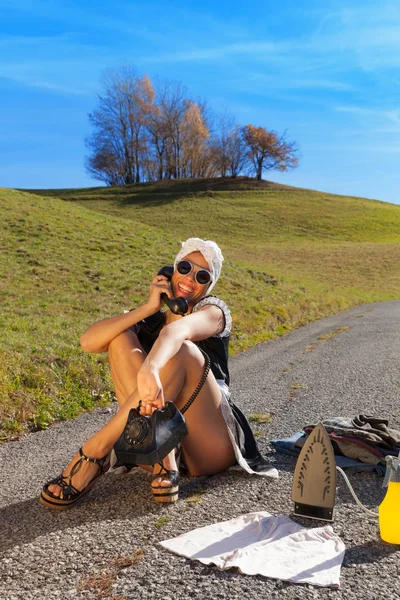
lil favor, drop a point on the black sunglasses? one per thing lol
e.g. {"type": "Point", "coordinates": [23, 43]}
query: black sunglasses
{"type": "Point", "coordinates": [184, 267]}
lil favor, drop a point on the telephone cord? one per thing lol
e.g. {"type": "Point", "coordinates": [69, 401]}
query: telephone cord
{"type": "Point", "coordinates": [207, 365]}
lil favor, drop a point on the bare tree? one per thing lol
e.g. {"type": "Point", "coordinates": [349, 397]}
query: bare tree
{"type": "Point", "coordinates": [158, 133]}
{"type": "Point", "coordinates": [119, 122]}
{"type": "Point", "coordinates": [229, 149]}
{"type": "Point", "coordinates": [225, 126]}
{"type": "Point", "coordinates": [235, 152]}
{"type": "Point", "coordinates": [194, 142]}
{"type": "Point", "coordinates": [266, 150]}
{"type": "Point", "coordinates": [171, 101]}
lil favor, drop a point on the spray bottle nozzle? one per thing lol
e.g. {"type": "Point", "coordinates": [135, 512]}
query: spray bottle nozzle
{"type": "Point", "coordinates": [392, 470]}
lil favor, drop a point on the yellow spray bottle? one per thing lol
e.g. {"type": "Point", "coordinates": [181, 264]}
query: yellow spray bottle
{"type": "Point", "coordinates": [389, 509]}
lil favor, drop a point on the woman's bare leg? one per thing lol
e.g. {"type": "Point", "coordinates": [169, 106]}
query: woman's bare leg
{"type": "Point", "coordinates": [126, 356]}
{"type": "Point", "coordinates": [102, 442]}
{"type": "Point", "coordinates": [207, 449]}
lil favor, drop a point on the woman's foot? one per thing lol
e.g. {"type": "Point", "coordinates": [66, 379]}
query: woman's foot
{"type": "Point", "coordinates": [76, 480]}
{"type": "Point", "coordinates": [165, 484]}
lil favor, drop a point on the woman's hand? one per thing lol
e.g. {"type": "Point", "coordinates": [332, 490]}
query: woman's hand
{"type": "Point", "coordinates": [150, 389]}
{"type": "Point", "coordinates": [159, 285]}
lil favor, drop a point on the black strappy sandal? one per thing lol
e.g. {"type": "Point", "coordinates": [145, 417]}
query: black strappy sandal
{"type": "Point", "coordinates": [167, 493]}
{"type": "Point", "coordinates": [69, 494]}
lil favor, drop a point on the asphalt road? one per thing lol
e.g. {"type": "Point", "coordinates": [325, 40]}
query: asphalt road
{"type": "Point", "coordinates": [107, 546]}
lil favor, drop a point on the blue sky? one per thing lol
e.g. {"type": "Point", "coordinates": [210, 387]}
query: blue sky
{"type": "Point", "coordinates": [328, 72]}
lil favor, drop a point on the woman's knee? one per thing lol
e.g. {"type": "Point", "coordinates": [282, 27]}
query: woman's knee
{"type": "Point", "coordinates": [190, 353]}
{"type": "Point", "coordinates": [181, 371]}
{"type": "Point", "coordinates": [123, 344]}
{"type": "Point", "coordinates": [188, 362]}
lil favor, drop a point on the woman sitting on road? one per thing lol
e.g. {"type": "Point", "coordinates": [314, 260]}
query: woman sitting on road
{"type": "Point", "coordinates": [155, 356]}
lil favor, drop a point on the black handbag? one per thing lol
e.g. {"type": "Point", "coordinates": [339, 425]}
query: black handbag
{"type": "Point", "coordinates": [146, 440]}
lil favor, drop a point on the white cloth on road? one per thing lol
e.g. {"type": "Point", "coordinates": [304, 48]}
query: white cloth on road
{"type": "Point", "coordinates": [261, 544]}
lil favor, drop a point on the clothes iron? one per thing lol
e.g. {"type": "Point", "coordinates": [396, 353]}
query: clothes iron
{"type": "Point", "coordinates": [314, 479]}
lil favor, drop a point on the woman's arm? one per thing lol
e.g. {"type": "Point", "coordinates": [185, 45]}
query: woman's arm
{"type": "Point", "coordinates": [204, 323]}
{"type": "Point", "coordinates": [98, 336]}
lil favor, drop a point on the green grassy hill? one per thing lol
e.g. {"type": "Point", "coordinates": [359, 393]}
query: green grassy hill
{"type": "Point", "coordinates": [70, 257]}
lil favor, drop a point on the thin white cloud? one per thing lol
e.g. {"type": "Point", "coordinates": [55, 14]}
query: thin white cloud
{"type": "Point", "coordinates": [284, 83]}
{"type": "Point", "coordinates": [368, 149]}
{"type": "Point", "coordinates": [217, 52]}
{"type": "Point", "coordinates": [31, 40]}
{"type": "Point", "coordinates": [125, 18]}
{"type": "Point", "coordinates": [38, 81]}
{"type": "Point", "coordinates": [392, 115]}
{"type": "Point", "coordinates": [368, 34]}
{"type": "Point", "coordinates": [49, 85]}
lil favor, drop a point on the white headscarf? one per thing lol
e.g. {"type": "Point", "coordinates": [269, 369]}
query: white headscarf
{"type": "Point", "coordinates": [211, 252]}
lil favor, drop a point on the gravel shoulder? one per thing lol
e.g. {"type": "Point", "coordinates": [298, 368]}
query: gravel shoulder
{"type": "Point", "coordinates": [107, 546]}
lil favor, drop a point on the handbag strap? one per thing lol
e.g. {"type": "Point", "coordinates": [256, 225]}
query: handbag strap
{"type": "Point", "coordinates": [193, 397]}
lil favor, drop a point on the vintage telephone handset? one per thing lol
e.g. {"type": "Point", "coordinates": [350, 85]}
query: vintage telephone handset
{"type": "Point", "coordinates": [179, 306]}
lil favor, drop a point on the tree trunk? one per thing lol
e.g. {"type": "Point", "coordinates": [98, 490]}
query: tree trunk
{"type": "Point", "coordinates": [137, 161]}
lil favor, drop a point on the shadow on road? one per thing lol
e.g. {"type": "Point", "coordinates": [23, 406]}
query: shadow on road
{"type": "Point", "coordinates": [370, 552]}
{"type": "Point", "coordinates": [117, 497]}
